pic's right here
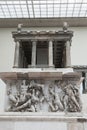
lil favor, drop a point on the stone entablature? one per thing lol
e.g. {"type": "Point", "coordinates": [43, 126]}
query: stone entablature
{"type": "Point", "coordinates": [42, 35]}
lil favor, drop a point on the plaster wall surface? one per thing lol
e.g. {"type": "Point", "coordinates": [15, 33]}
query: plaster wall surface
{"type": "Point", "coordinates": [7, 46]}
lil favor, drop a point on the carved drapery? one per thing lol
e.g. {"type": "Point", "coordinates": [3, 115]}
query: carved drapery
{"type": "Point", "coordinates": [46, 96]}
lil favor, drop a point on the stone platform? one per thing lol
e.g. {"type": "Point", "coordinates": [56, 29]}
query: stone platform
{"type": "Point", "coordinates": [58, 121]}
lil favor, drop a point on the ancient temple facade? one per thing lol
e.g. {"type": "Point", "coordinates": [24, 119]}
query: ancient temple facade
{"type": "Point", "coordinates": [42, 84]}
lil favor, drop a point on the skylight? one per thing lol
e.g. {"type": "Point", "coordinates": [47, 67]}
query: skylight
{"type": "Point", "coordinates": [42, 8]}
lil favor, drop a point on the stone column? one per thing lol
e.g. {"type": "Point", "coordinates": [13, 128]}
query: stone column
{"type": "Point", "coordinates": [50, 54]}
{"type": "Point", "coordinates": [68, 54]}
{"type": "Point", "coordinates": [16, 57]}
{"type": "Point", "coordinates": [33, 54]}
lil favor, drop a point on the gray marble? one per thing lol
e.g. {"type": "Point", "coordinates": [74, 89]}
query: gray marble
{"type": "Point", "coordinates": [43, 96]}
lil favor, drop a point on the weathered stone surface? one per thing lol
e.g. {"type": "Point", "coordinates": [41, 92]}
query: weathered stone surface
{"type": "Point", "coordinates": [31, 75]}
{"type": "Point", "coordinates": [40, 75]}
{"type": "Point", "coordinates": [45, 75]}
{"type": "Point", "coordinates": [42, 91]}
{"type": "Point", "coordinates": [42, 35]}
{"type": "Point", "coordinates": [75, 126]}
{"type": "Point", "coordinates": [41, 95]}
{"type": "Point", "coordinates": [71, 75]}
{"type": "Point", "coordinates": [8, 75]}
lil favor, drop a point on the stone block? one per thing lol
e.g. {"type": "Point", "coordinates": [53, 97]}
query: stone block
{"type": "Point", "coordinates": [75, 126]}
{"type": "Point", "coordinates": [45, 125]}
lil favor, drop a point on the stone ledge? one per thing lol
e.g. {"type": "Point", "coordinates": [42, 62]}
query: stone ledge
{"type": "Point", "coordinates": [60, 116]}
{"type": "Point", "coordinates": [23, 117]}
{"type": "Point", "coordinates": [40, 75]}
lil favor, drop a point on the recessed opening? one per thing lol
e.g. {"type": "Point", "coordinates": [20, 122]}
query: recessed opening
{"type": "Point", "coordinates": [41, 54]}
{"type": "Point", "coordinates": [27, 53]}
{"type": "Point", "coordinates": [58, 54]}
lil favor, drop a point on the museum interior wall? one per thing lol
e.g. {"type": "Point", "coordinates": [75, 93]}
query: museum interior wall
{"type": "Point", "coordinates": [43, 99]}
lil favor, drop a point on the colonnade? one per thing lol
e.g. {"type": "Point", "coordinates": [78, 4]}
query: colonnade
{"type": "Point", "coordinates": [50, 54]}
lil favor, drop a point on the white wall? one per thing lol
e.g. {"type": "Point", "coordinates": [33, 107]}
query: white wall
{"type": "Point", "coordinates": [6, 49]}
{"type": "Point", "coordinates": [79, 46]}
{"type": "Point", "coordinates": [78, 49]}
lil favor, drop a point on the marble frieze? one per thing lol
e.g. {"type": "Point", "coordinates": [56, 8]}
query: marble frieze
{"type": "Point", "coordinates": [38, 92]}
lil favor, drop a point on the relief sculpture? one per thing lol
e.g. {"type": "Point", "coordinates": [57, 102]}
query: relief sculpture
{"type": "Point", "coordinates": [35, 96]}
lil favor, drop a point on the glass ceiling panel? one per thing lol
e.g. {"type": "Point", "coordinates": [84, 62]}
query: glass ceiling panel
{"type": "Point", "coordinates": [42, 8]}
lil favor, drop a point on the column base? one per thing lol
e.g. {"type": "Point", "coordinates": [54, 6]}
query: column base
{"type": "Point", "coordinates": [51, 66]}
{"type": "Point", "coordinates": [68, 66]}
{"type": "Point", "coordinates": [15, 67]}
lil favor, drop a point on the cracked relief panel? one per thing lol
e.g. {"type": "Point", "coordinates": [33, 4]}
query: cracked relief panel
{"type": "Point", "coordinates": [43, 96]}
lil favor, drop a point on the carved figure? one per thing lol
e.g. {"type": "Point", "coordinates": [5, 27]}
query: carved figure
{"type": "Point", "coordinates": [57, 103]}
{"type": "Point", "coordinates": [12, 98]}
{"type": "Point", "coordinates": [65, 26]}
{"type": "Point", "coordinates": [71, 98]}
{"type": "Point", "coordinates": [19, 28]}
{"type": "Point", "coordinates": [60, 96]}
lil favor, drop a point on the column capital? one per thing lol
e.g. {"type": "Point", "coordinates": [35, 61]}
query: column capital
{"type": "Point", "coordinates": [50, 40]}
{"type": "Point", "coordinates": [17, 40]}
{"type": "Point", "coordinates": [68, 42]}
{"type": "Point", "coordinates": [34, 41]}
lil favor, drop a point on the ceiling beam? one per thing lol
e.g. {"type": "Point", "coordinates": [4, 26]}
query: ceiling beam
{"type": "Point", "coordinates": [42, 22]}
